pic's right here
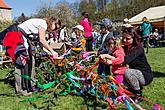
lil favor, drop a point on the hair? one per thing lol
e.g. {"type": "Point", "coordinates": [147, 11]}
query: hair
{"type": "Point", "coordinates": [144, 19]}
{"type": "Point", "coordinates": [86, 15]}
{"type": "Point", "coordinates": [116, 42]}
{"type": "Point", "coordinates": [49, 22]}
{"type": "Point", "coordinates": [136, 38]}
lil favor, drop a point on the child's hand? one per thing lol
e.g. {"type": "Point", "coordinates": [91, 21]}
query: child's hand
{"type": "Point", "coordinates": [111, 57]}
{"type": "Point", "coordinates": [109, 62]}
{"type": "Point", "coordinates": [102, 56]}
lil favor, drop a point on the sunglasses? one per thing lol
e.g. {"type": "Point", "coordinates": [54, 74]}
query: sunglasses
{"type": "Point", "coordinates": [125, 38]}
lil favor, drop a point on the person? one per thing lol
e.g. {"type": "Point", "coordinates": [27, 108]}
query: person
{"type": "Point", "coordinates": [156, 37]}
{"type": "Point", "coordinates": [95, 33]}
{"type": "Point", "coordinates": [145, 30]}
{"type": "Point", "coordinates": [77, 36]}
{"type": "Point", "coordinates": [86, 23]}
{"type": "Point", "coordinates": [139, 73]}
{"type": "Point", "coordinates": [115, 47]}
{"type": "Point", "coordinates": [63, 34]}
{"type": "Point", "coordinates": [126, 23]}
{"type": "Point", "coordinates": [106, 26]}
{"type": "Point", "coordinates": [22, 40]}
{"type": "Point", "coordinates": [116, 33]}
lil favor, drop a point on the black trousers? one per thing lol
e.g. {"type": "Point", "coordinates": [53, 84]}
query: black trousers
{"type": "Point", "coordinates": [88, 45]}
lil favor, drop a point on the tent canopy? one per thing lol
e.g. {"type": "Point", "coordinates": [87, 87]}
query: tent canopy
{"type": "Point", "coordinates": [154, 14]}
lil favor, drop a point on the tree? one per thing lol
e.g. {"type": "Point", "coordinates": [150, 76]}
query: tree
{"type": "Point", "coordinates": [88, 6]}
{"type": "Point", "coordinates": [62, 11]}
{"type": "Point", "coordinates": [22, 18]}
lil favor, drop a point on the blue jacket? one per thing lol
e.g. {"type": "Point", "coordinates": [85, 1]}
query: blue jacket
{"type": "Point", "coordinates": [103, 49]}
{"type": "Point", "coordinates": [146, 28]}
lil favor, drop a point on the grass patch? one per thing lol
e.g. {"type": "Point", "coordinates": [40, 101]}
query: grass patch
{"type": "Point", "coordinates": [155, 91]}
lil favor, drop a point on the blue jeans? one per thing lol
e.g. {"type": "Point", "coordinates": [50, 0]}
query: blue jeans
{"type": "Point", "coordinates": [103, 68]}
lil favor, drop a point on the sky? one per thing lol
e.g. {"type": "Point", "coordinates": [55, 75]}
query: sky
{"type": "Point", "coordinates": [29, 7]}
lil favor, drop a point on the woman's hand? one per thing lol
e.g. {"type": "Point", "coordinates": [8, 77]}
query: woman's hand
{"type": "Point", "coordinates": [54, 54]}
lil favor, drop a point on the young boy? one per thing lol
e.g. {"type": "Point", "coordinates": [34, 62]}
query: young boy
{"type": "Point", "coordinates": [105, 25]}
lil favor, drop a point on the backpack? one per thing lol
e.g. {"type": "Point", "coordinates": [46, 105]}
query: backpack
{"type": "Point", "coordinates": [11, 28]}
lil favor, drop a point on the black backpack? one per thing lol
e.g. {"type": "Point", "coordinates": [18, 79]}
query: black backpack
{"type": "Point", "coordinates": [11, 28]}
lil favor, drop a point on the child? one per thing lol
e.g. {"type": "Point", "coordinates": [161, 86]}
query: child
{"type": "Point", "coordinates": [114, 45]}
{"type": "Point", "coordinates": [78, 35]}
{"type": "Point", "coordinates": [105, 26]}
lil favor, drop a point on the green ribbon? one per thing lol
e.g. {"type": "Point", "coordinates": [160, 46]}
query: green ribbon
{"type": "Point", "coordinates": [44, 86]}
{"type": "Point", "coordinates": [34, 98]}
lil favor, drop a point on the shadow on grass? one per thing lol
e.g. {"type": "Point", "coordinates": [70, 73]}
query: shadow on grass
{"type": "Point", "coordinates": [8, 95]}
{"type": "Point", "coordinates": [9, 81]}
{"type": "Point", "coordinates": [158, 74]}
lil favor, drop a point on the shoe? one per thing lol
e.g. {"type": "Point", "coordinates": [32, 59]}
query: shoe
{"type": "Point", "coordinates": [137, 99]}
{"type": "Point", "coordinates": [138, 96]}
{"type": "Point", "coordinates": [23, 93]}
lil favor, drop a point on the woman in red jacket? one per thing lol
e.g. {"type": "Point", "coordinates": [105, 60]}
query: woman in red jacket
{"type": "Point", "coordinates": [86, 23]}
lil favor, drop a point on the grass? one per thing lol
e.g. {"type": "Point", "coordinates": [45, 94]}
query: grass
{"type": "Point", "coordinates": [155, 91]}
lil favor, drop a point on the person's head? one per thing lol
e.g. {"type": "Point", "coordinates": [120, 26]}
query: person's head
{"type": "Point", "coordinates": [85, 14]}
{"type": "Point", "coordinates": [156, 30]}
{"type": "Point", "coordinates": [130, 38]}
{"type": "Point", "coordinates": [125, 21]}
{"type": "Point", "coordinates": [105, 25]}
{"type": "Point", "coordinates": [145, 19]}
{"type": "Point", "coordinates": [113, 43]}
{"type": "Point", "coordinates": [53, 24]}
{"type": "Point", "coordinates": [78, 29]}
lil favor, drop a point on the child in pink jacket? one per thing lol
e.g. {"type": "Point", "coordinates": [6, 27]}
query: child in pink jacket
{"type": "Point", "coordinates": [114, 45]}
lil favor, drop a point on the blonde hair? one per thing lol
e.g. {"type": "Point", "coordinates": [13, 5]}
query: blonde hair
{"type": "Point", "coordinates": [116, 42]}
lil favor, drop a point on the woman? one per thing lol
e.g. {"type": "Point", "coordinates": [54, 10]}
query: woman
{"type": "Point", "coordinates": [139, 73]}
{"type": "Point", "coordinates": [29, 33]}
{"type": "Point", "coordinates": [86, 23]}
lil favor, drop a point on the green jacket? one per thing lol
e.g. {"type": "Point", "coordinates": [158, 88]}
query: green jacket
{"type": "Point", "coordinates": [146, 28]}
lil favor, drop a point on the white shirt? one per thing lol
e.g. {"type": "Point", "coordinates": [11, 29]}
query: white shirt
{"type": "Point", "coordinates": [31, 26]}
{"type": "Point", "coordinates": [62, 34]}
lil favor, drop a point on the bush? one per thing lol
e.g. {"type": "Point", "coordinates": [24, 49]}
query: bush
{"type": "Point", "coordinates": [4, 24]}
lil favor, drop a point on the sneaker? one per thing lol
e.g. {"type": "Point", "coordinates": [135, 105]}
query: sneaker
{"type": "Point", "coordinates": [24, 93]}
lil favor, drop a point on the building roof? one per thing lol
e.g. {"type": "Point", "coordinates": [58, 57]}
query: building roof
{"type": "Point", "coordinates": [154, 14]}
{"type": "Point", "coordinates": [3, 5]}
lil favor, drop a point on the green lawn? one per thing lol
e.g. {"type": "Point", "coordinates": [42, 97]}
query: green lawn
{"type": "Point", "coordinates": [155, 91]}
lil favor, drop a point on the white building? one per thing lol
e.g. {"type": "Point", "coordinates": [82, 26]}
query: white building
{"type": "Point", "coordinates": [5, 11]}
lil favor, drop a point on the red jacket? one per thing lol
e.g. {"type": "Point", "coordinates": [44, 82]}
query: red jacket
{"type": "Point", "coordinates": [11, 41]}
{"type": "Point", "coordinates": [87, 27]}
{"type": "Point", "coordinates": [117, 68]}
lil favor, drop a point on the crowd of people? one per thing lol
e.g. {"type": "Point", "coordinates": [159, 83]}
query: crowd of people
{"type": "Point", "coordinates": [123, 51]}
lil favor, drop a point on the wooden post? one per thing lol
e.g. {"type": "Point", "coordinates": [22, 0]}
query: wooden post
{"type": "Point", "coordinates": [164, 28]}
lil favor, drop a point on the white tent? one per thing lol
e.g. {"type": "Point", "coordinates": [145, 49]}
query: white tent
{"type": "Point", "coordinates": [154, 14]}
